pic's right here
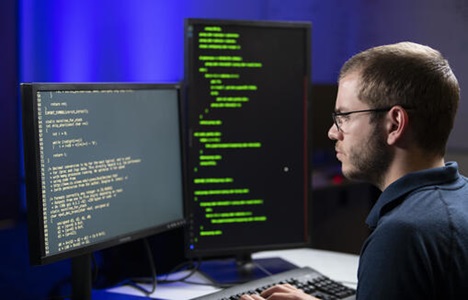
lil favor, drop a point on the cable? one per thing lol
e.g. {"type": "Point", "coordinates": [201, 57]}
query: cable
{"type": "Point", "coordinates": [195, 269]}
{"type": "Point", "coordinates": [190, 266]}
{"type": "Point", "coordinates": [133, 282]}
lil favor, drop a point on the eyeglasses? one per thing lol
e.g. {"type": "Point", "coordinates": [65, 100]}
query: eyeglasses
{"type": "Point", "coordinates": [340, 117]}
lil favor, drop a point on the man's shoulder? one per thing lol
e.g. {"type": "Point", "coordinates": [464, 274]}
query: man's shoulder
{"type": "Point", "coordinates": [425, 215]}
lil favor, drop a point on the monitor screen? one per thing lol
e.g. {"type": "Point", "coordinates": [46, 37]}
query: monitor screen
{"type": "Point", "coordinates": [247, 85]}
{"type": "Point", "coordinates": [103, 165]}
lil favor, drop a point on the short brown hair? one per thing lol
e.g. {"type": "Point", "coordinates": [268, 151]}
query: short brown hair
{"type": "Point", "coordinates": [414, 76]}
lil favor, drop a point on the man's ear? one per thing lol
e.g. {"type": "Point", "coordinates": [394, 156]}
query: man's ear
{"type": "Point", "coordinates": [397, 125]}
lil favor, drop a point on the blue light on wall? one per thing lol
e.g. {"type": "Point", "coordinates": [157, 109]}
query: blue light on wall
{"type": "Point", "coordinates": [128, 40]}
{"type": "Point", "coordinates": [113, 40]}
{"type": "Point", "coordinates": [91, 40]}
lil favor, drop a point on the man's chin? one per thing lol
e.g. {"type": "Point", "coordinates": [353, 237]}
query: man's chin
{"type": "Point", "coordinates": [351, 174]}
{"type": "Point", "coordinates": [345, 170]}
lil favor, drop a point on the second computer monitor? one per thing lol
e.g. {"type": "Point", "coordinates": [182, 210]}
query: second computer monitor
{"type": "Point", "coordinates": [247, 102]}
{"type": "Point", "coordinates": [103, 165]}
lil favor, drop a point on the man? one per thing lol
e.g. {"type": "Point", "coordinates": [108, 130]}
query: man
{"type": "Point", "coordinates": [394, 111]}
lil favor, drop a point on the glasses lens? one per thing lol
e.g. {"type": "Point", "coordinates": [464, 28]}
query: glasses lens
{"type": "Point", "coordinates": [336, 121]}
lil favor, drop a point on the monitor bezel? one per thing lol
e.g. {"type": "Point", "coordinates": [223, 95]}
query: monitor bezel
{"type": "Point", "coordinates": [244, 252]}
{"type": "Point", "coordinates": [34, 197]}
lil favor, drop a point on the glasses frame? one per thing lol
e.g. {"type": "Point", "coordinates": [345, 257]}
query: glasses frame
{"type": "Point", "coordinates": [339, 114]}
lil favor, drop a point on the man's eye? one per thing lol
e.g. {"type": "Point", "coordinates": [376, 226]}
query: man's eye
{"type": "Point", "coordinates": [343, 118]}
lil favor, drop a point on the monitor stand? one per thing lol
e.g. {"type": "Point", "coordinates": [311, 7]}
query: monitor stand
{"type": "Point", "coordinates": [81, 277]}
{"type": "Point", "coordinates": [242, 269]}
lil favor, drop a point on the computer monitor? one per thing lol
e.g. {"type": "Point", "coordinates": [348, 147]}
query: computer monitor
{"type": "Point", "coordinates": [247, 96]}
{"type": "Point", "coordinates": [103, 166]}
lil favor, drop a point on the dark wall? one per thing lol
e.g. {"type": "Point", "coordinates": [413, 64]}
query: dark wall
{"type": "Point", "coordinates": [323, 104]}
{"type": "Point", "coordinates": [9, 147]}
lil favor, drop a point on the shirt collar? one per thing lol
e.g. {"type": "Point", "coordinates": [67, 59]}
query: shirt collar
{"type": "Point", "coordinates": [410, 182]}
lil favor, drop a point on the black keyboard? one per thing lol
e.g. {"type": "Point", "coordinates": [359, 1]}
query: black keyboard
{"type": "Point", "coordinates": [306, 279]}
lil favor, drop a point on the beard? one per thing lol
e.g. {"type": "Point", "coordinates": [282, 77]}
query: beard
{"type": "Point", "coordinates": [370, 160]}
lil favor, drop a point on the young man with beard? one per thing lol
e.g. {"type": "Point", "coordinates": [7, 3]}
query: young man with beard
{"type": "Point", "coordinates": [394, 112]}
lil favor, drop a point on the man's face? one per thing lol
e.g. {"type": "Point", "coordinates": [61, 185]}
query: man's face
{"type": "Point", "coordinates": [361, 146]}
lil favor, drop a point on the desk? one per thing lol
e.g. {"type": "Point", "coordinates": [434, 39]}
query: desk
{"type": "Point", "coordinates": [338, 266]}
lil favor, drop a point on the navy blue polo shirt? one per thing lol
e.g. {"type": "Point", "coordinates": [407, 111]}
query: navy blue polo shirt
{"type": "Point", "coordinates": [418, 248]}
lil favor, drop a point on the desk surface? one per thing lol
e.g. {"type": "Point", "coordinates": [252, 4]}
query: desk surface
{"type": "Point", "coordinates": [338, 266]}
